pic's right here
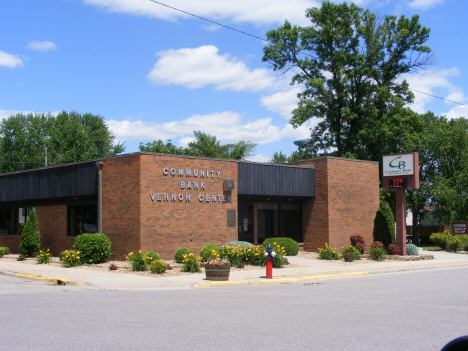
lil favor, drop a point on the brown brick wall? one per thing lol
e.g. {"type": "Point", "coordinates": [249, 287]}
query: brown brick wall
{"type": "Point", "coordinates": [346, 202]}
{"type": "Point", "coordinates": [169, 225]}
{"type": "Point", "coordinates": [121, 203]}
{"type": "Point", "coordinates": [52, 223]}
{"type": "Point", "coordinates": [11, 241]}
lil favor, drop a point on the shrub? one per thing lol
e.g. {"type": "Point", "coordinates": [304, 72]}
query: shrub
{"type": "Point", "coordinates": [440, 239]}
{"type": "Point", "coordinates": [158, 267]}
{"type": "Point", "coordinates": [354, 250]}
{"type": "Point", "coordinates": [455, 244]}
{"type": "Point", "coordinates": [30, 237]}
{"type": "Point", "coordinates": [290, 246]}
{"type": "Point", "coordinates": [358, 242]}
{"type": "Point", "coordinates": [239, 243]}
{"type": "Point", "coordinates": [44, 256]}
{"type": "Point", "coordinates": [94, 248]}
{"type": "Point", "coordinates": [153, 256]}
{"type": "Point", "coordinates": [328, 253]}
{"type": "Point", "coordinates": [412, 250]}
{"type": "Point", "coordinates": [377, 253]}
{"type": "Point", "coordinates": [178, 257]}
{"type": "Point", "coordinates": [139, 261]}
{"type": "Point", "coordinates": [70, 258]}
{"type": "Point", "coordinates": [377, 244]}
{"type": "Point", "coordinates": [190, 263]}
{"type": "Point", "coordinates": [384, 225]}
{"type": "Point", "coordinates": [206, 251]}
{"type": "Point", "coordinates": [393, 249]}
{"type": "Point", "coordinates": [348, 256]}
{"type": "Point", "coordinates": [4, 251]}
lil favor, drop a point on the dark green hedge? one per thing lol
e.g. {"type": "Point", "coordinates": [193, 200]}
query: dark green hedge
{"type": "Point", "coordinates": [290, 245]}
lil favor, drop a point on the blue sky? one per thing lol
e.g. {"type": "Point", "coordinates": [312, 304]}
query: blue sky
{"type": "Point", "coordinates": [154, 73]}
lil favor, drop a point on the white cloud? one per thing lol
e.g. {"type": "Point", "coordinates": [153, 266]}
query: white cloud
{"type": "Point", "coordinates": [457, 112]}
{"type": "Point", "coordinates": [424, 4]}
{"type": "Point", "coordinates": [259, 158]}
{"type": "Point", "coordinates": [260, 12]}
{"type": "Point", "coordinates": [283, 102]}
{"type": "Point", "coordinates": [199, 67]}
{"type": "Point", "coordinates": [429, 80]}
{"type": "Point", "coordinates": [226, 126]}
{"type": "Point", "coordinates": [10, 61]}
{"type": "Point", "coordinates": [41, 45]}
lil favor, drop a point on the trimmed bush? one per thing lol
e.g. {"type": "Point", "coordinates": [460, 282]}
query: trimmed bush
{"type": "Point", "coordinates": [358, 242]}
{"type": "Point", "coordinates": [206, 251]}
{"type": "Point", "coordinates": [354, 250]}
{"type": "Point", "coordinates": [93, 248]}
{"type": "Point", "coordinates": [348, 256]}
{"type": "Point", "coordinates": [239, 243]}
{"type": "Point", "coordinates": [377, 253]}
{"type": "Point", "coordinates": [412, 250]}
{"type": "Point", "coordinates": [384, 225]}
{"type": "Point", "coordinates": [158, 267]}
{"type": "Point", "coordinates": [153, 256]}
{"type": "Point", "coordinates": [4, 251]}
{"type": "Point", "coordinates": [179, 254]}
{"type": "Point", "coordinates": [393, 249]}
{"type": "Point", "coordinates": [30, 237]}
{"type": "Point", "coordinates": [291, 246]}
{"type": "Point", "coordinates": [376, 244]}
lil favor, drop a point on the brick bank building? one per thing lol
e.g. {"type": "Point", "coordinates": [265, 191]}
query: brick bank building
{"type": "Point", "coordinates": [158, 202]}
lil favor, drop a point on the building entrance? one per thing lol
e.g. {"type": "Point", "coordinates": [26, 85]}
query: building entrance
{"type": "Point", "coordinates": [272, 220]}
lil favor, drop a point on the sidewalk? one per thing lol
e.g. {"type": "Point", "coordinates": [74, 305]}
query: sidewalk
{"type": "Point", "coordinates": [311, 270]}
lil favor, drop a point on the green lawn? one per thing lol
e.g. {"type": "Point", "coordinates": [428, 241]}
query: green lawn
{"type": "Point", "coordinates": [431, 247]}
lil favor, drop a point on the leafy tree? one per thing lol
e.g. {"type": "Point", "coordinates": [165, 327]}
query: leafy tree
{"type": "Point", "coordinates": [30, 237]}
{"type": "Point", "coordinates": [349, 62]}
{"type": "Point", "coordinates": [69, 137]}
{"type": "Point", "coordinates": [205, 145]}
{"type": "Point", "coordinates": [443, 170]}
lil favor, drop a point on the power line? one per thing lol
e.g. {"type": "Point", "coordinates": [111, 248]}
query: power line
{"type": "Point", "coordinates": [438, 97]}
{"type": "Point", "coordinates": [208, 20]}
{"type": "Point", "coordinates": [268, 41]}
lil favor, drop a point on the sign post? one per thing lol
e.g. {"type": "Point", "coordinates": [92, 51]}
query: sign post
{"type": "Point", "coordinates": [401, 172]}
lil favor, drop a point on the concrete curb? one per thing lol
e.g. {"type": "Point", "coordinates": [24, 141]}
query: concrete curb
{"type": "Point", "coordinates": [58, 281]}
{"type": "Point", "coordinates": [277, 281]}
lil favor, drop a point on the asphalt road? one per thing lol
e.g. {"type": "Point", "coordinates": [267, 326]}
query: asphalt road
{"type": "Point", "coordinates": [399, 311]}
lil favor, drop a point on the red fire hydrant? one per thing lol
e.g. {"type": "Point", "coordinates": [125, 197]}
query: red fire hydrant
{"type": "Point", "coordinates": [270, 256]}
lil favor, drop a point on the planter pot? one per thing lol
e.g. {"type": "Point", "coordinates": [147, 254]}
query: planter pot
{"type": "Point", "coordinates": [217, 272]}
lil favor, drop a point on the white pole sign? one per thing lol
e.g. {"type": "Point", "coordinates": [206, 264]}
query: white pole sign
{"type": "Point", "coordinates": [398, 165]}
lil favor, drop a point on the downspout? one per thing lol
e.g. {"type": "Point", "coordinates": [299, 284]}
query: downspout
{"type": "Point", "coordinates": [99, 191]}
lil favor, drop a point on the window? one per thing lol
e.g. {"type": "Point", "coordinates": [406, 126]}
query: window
{"type": "Point", "coordinates": [82, 219]}
{"type": "Point", "coordinates": [9, 222]}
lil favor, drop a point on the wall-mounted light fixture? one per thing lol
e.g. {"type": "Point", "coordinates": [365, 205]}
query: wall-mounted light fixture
{"type": "Point", "coordinates": [246, 224]}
